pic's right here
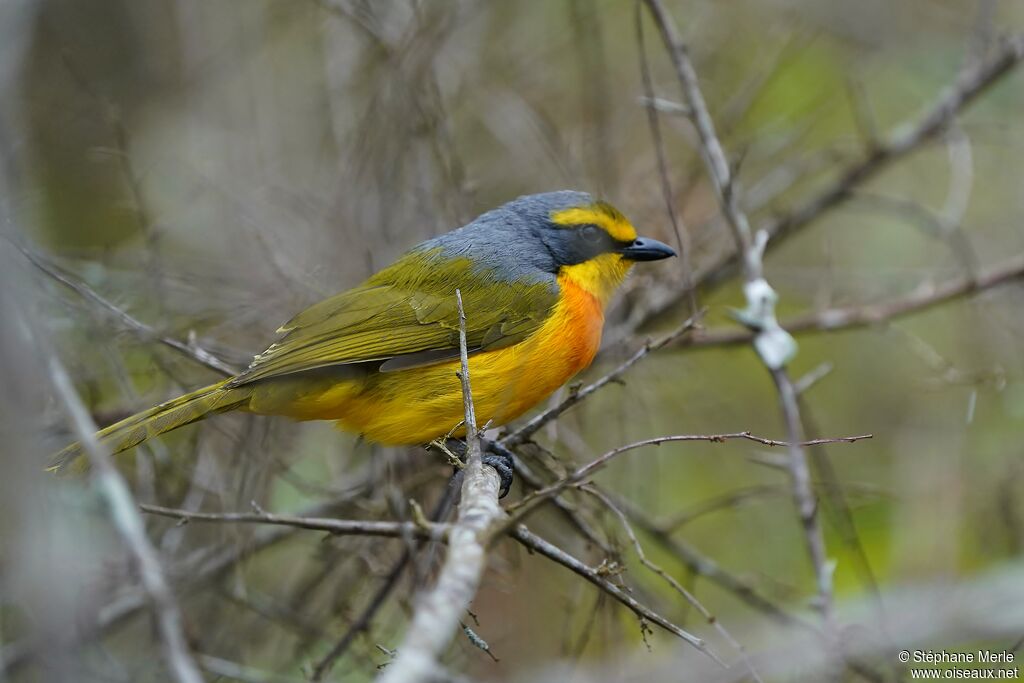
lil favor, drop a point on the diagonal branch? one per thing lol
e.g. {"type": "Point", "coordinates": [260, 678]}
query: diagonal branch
{"type": "Point", "coordinates": [191, 350]}
{"type": "Point", "coordinates": [596, 577]}
{"type": "Point", "coordinates": [670, 580]}
{"type": "Point", "coordinates": [532, 501]}
{"type": "Point", "coordinates": [906, 138]}
{"type": "Point", "coordinates": [926, 296]}
{"type": "Point", "coordinates": [338, 527]}
{"type": "Point", "coordinates": [895, 145]}
{"type": "Point", "coordinates": [773, 344]}
{"type": "Point", "coordinates": [125, 517]}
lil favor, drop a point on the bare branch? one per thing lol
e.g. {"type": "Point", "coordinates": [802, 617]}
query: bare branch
{"type": "Point", "coordinates": [594, 576]}
{"type": "Point", "coordinates": [773, 344]}
{"type": "Point", "coordinates": [670, 580]}
{"type": "Point", "coordinates": [926, 296]}
{"type": "Point", "coordinates": [197, 571]}
{"type": "Point", "coordinates": [532, 501]}
{"type": "Point", "coordinates": [125, 517]}
{"type": "Point", "coordinates": [708, 568]}
{"type": "Point", "coordinates": [711, 148]}
{"type": "Point", "coordinates": [694, 560]}
{"type": "Point", "coordinates": [803, 497]}
{"type": "Point", "coordinates": [902, 140]}
{"type": "Point", "coordinates": [338, 527]}
{"type": "Point", "coordinates": [896, 144]}
{"type": "Point", "coordinates": [189, 349]}
{"type": "Point", "coordinates": [654, 124]}
{"type": "Point", "coordinates": [439, 611]}
{"type": "Point", "coordinates": [380, 596]}
{"type": "Point", "coordinates": [565, 507]}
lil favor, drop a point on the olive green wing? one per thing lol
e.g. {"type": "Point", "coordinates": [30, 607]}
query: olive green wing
{"type": "Point", "coordinates": [407, 316]}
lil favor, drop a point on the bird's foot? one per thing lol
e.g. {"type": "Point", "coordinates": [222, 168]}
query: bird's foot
{"type": "Point", "coordinates": [493, 454]}
{"type": "Point", "coordinates": [503, 462]}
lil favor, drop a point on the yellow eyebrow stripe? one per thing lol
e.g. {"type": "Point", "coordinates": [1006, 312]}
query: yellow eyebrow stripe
{"type": "Point", "coordinates": [600, 214]}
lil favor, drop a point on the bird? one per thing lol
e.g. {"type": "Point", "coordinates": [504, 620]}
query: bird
{"type": "Point", "coordinates": [380, 359]}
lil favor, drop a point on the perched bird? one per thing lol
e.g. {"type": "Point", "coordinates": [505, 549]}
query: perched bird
{"type": "Point", "coordinates": [380, 359]}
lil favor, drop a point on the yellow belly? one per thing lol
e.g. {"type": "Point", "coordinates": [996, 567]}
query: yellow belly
{"type": "Point", "coordinates": [421, 404]}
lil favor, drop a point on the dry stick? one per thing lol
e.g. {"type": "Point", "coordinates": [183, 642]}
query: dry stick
{"type": "Point", "coordinates": [363, 621]}
{"type": "Point", "coordinates": [565, 507]}
{"type": "Point", "coordinates": [694, 560]}
{"type": "Point", "coordinates": [774, 346]}
{"type": "Point", "coordinates": [366, 616]}
{"type": "Point", "coordinates": [392, 529]}
{"type": "Point", "coordinates": [670, 580]}
{"type": "Point", "coordinates": [532, 501]}
{"type": "Point", "coordinates": [968, 86]}
{"type": "Point", "coordinates": [803, 496]}
{"type": "Point", "coordinates": [691, 558]}
{"type": "Point", "coordinates": [926, 296]}
{"type": "Point", "coordinates": [338, 527]}
{"type": "Point", "coordinates": [711, 148]}
{"type": "Point", "coordinates": [708, 568]}
{"type": "Point", "coordinates": [204, 566]}
{"type": "Point", "coordinates": [196, 353]}
{"type": "Point", "coordinates": [438, 612]}
{"type": "Point", "coordinates": [596, 577]}
{"type": "Point", "coordinates": [654, 123]}
{"type": "Point", "coordinates": [900, 141]}
{"type": "Point", "coordinates": [123, 513]}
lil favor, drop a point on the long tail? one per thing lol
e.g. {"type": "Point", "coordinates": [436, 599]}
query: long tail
{"type": "Point", "coordinates": [178, 412]}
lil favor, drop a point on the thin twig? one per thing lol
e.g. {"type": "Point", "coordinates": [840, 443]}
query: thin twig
{"type": "Point", "coordinates": [706, 567]}
{"type": "Point", "coordinates": [899, 142]}
{"type": "Point", "coordinates": [338, 527]}
{"type": "Point", "coordinates": [366, 616]}
{"type": "Point", "coordinates": [197, 571]}
{"type": "Point", "coordinates": [568, 509]}
{"type": "Point", "coordinates": [670, 580]}
{"type": "Point", "coordinates": [654, 123]}
{"type": "Point", "coordinates": [694, 560]}
{"type": "Point", "coordinates": [711, 148]}
{"type": "Point", "coordinates": [926, 296]}
{"type": "Point", "coordinates": [532, 501]}
{"type": "Point", "coordinates": [773, 344]}
{"type": "Point", "coordinates": [191, 350]}
{"type": "Point", "coordinates": [439, 610]}
{"type": "Point", "coordinates": [805, 501]}
{"type": "Point", "coordinates": [596, 577]}
{"type": "Point", "coordinates": [126, 519]}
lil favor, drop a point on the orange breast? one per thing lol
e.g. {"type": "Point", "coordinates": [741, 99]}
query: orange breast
{"type": "Point", "coordinates": [421, 404]}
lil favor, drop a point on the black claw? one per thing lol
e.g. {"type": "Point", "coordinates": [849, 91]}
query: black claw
{"type": "Point", "coordinates": [502, 460]}
{"type": "Point", "coordinates": [495, 455]}
{"type": "Point", "coordinates": [503, 466]}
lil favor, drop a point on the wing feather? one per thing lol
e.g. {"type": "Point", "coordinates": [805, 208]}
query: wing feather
{"type": "Point", "coordinates": [406, 316]}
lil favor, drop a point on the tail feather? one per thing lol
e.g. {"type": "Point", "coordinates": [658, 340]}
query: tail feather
{"type": "Point", "coordinates": [158, 420]}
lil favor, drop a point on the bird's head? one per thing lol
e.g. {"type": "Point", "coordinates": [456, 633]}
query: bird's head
{"type": "Point", "coordinates": [539, 237]}
{"type": "Point", "coordinates": [591, 242]}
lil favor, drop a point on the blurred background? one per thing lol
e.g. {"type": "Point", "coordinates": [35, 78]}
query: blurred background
{"type": "Point", "coordinates": [211, 167]}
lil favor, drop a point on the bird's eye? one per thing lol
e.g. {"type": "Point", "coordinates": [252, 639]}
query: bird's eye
{"type": "Point", "coordinates": [592, 233]}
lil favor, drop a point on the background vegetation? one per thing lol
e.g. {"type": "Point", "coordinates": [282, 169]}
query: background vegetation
{"type": "Point", "coordinates": [211, 167]}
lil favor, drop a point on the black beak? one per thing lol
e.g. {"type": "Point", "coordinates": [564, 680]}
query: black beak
{"type": "Point", "coordinates": [646, 249]}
